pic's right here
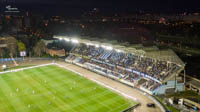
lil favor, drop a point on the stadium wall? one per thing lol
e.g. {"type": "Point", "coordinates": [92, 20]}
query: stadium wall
{"type": "Point", "coordinates": [131, 108]}
{"type": "Point", "coordinates": [170, 84]}
{"type": "Point", "coordinates": [9, 59]}
{"type": "Point", "coordinates": [21, 59]}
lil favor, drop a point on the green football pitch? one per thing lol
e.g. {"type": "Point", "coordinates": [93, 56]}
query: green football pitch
{"type": "Point", "coordinates": [54, 89]}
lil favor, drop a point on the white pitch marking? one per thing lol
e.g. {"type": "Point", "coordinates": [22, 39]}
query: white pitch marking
{"type": "Point", "coordinates": [29, 106]}
{"type": "Point", "coordinates": [17, 90]}
{"type": "Point", "coordinates": [33, 92]}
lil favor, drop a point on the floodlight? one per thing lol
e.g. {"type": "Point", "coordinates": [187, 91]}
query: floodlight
{"type": "Point", "coordinates": [67, 39]}
{"type": "Point", "coordinates": [109, 48]}
{"type": "Point", "coordinates": [118, 50]}
{"type": "Point", "coordinates": [74, 41]}
{"type": "Point", "coordinates": [88, 44]}
{"type": "Point", "coordinates": [96, 45]}
{"type": "Point", "coordinates": [103, 46]}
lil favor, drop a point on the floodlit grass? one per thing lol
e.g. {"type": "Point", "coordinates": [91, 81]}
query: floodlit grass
{"type": "Point", "coordinates": [54, 89]}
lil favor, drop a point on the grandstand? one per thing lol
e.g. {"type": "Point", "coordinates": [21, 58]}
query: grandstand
{"type": "Point", "coordinates": [149, 69]}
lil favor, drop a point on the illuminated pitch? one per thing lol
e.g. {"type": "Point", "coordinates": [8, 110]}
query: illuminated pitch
{"type": "Point", "coordinates": [54, 89]}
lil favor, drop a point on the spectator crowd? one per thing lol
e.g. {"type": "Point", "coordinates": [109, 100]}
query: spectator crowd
{"type": "Point", "coordinates": [121, 64]}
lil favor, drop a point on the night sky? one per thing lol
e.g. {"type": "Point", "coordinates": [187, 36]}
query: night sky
{"type": "Point", "coordinates": [79, 6]}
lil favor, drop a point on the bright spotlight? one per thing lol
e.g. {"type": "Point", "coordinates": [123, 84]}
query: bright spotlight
{"type": "Point", "coordinates": [109, 48]}
{"type": "Point", "coordinates": [103, 46]}
{"type": "Point", "coordinates": [90, 44]}
{"type": "Point", "coordinates": [118, 50]}
{"type": "Point", "coordinates": [96, 45]}
{"type": "Point", "coordinates": [74, 41]}
{"type": "Point", "coordinates": [60, 38]}
{"type": "Point", "coordinates": [67, 39]}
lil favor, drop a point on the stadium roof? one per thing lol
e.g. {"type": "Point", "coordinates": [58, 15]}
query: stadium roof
{"type": "Point", "coordinates": [165, 55]}
{"type": "Point", "coordinates": [150, 48]}
{"type": "Point", "coordinates": [137, 49]}
{"type": "Point", "coordinates": [137, 46]}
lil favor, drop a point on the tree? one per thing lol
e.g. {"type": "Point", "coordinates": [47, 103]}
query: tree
{"type": "Point", "coordinates": [39, 48]}
{"type": "Point", "coordinates": [21, 46]}
{"type": "Point", "coordinates": [2, 51]}
{"type": "Point", "coordinates": [12, 46]}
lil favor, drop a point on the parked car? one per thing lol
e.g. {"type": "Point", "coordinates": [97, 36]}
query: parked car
{"type": "Point", "coordinates": [151, 105]}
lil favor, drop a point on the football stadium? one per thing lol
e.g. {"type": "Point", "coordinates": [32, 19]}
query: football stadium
{"type": "Point", "coordinates": [95, 76]}
{"type": "Point", "coordinates": [99, 56]}
{"type": "Point", "coordinates": [153, 71]}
